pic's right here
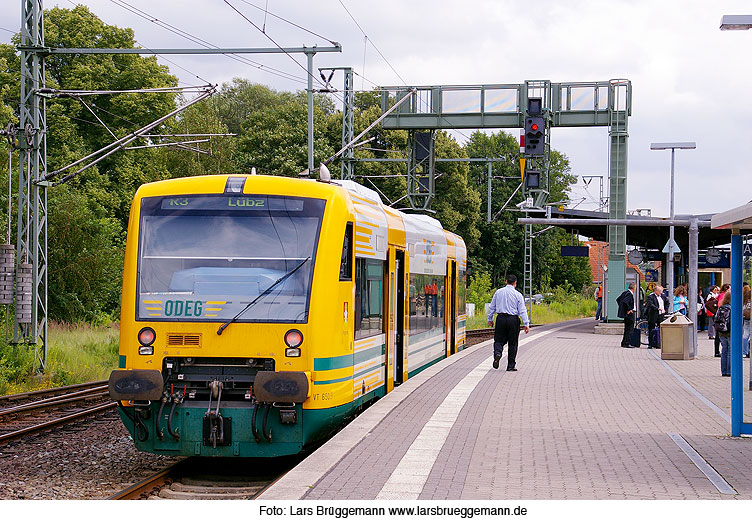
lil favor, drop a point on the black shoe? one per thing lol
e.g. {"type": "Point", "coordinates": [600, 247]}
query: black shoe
{"type": "Point", "coordinates": [511, 369]}
{"type": "Point", "coordinates": [496, 362]}
{"type": "Point", "coordinates": [725, 375]}
{"type": "Point", "coordinates": [626, 346]}
{"type": "Point", "coordinates": [717, 355]}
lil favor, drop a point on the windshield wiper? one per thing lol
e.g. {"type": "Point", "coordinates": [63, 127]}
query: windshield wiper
{"type": "Point", "coordinates": [241, 312]}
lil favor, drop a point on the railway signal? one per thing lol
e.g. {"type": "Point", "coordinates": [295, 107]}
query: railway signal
{"type": "Point", "coordinates": [535, 131]}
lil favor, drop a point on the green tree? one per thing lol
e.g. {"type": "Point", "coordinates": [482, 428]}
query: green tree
{"type": "Point", "coordinates": [501, 248]}
{"type": "Point", "coordinates": [274, 138]}
{"type": "Point", "coordinates": [87, 216]}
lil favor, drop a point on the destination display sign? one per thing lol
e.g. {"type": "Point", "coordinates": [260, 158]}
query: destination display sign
{"type": "Point", "coordinates": [231, 202]}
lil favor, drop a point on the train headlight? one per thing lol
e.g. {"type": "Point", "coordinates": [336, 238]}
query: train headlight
{"type": "Point", "coordinates": [293, 338]}
{"type": "Point", "coordinates": [147, 336]}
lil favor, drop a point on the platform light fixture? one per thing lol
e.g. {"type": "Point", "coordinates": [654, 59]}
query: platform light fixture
{"type": "Point", "coordinates": [673, 146]}
{"type": "Point", "coordinates": [736, 22]}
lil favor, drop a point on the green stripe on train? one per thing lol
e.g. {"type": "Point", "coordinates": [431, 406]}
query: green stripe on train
{"type": "Point", "coordinates": [346, 361]}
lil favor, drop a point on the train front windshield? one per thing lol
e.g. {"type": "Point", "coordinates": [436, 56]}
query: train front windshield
{"type": "Point", "coordinates": [204, 258]}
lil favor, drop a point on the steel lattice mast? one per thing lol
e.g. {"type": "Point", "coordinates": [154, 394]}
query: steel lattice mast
{"type": "Point", "coordinates": [31, 241]}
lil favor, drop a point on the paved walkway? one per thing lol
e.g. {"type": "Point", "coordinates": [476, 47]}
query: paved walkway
{"type": "Point", "coordinates": [583, 418]}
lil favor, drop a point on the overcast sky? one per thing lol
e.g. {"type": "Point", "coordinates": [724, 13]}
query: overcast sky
{"type": "Point", "coordinates": [689, 79]}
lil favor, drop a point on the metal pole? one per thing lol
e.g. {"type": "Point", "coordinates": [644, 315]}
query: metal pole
{"type": "Point", "coordinates": [694, 232]}
{"type": "Point", "coordinates": [684, 223]}
{"type": "Point", "coordinates": [737, 414]}
{"type": "Point", "coordinates": [309, 54]}
{"type": "Point", "coordinates": [670, 265]}
{"type": "Point", "coordinates": [489, 193]}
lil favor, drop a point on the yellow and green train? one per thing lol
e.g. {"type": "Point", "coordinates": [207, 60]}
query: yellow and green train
{"type": "Point", "coordinates": [260, 312]}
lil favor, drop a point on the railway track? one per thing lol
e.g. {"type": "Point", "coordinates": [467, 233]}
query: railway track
{"type": "Point", "coordinates": [28, 397]}
{"type": "Point", "coordinates": [210, 479]}
{"type": "Point", "coordinates": [32, 412]}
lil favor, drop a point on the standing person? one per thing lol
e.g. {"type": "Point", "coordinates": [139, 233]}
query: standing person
{"type": "Point", "coordinates": [655, 311]}
{"type": "Point", "coordinates": [702, 319]}
{"type": "Point", "coordinates": [680, 300]}
{"type": "Point", "coordinates": [711, 306]}
{"type": "Point", "coordinates": [723, 330]}
{"type": "Point", "coordinates": [725, 288]}
{"type": "Point", "coordinates": [598, 299]}
{"type": "Point", "coordinates": [746, 310]}
{"type": "Point", "coordinates": [626, 302]}
{"type": "Point", "coordinates": [509, 304]}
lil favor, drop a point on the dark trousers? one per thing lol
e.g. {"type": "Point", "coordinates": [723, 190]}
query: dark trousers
{"type": "Point", "coordinates": [507, 330]}
{"type": "Point", "coordinates": [702, 321]}
{"type": "Point", "coordinates": [628, 329]}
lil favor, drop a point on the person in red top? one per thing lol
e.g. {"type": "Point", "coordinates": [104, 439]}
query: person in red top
{"type": "Point", "coordinates": [599, 299]}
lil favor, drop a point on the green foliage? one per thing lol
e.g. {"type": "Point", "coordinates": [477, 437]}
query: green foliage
{"type": "Point", "coordinates": [16, 365]}
{"type": "Point", "coordinates": [88, 216]}
{"type": "Point", "coordinates": [274, 138]}
{"type": "Point", "coordinates": [563, 306]}
{"type": "Point", "coordinates": [501, 247]}
{"type": "Point", "coordinates": [553, 270]}
{"type": "Point", "coordinates": [480, 290]}
{"type": "Point", "coordinates": [76, 354]}
{"type": "Point", "coordinates": [87, 257]}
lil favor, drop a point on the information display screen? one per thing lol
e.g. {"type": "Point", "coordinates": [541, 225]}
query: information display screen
{"type": "Point", "coordinates": [233, 202]}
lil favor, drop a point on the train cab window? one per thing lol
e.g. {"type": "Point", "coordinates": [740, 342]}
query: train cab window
{"type": "Point", "coordinates": [345, 265]}
{"type": "Point", "coordinates": [206, 258]}
{"type": "Point", "coordinates": [369, 297]}
{"type": "Point", "coordinates": [426, 303]}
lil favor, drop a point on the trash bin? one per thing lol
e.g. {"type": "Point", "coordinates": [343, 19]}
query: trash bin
{"type": "Point", "coordinates": [676, 337]}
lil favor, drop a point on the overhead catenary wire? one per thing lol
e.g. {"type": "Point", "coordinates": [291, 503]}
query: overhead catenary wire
{"type": "Point", "coordinates": [108, 150]}
{"type": "Point", "coordinates": [196, 40]}
{"type": "Point", "coordinates": [373, 44]}
{"type": "Point", "coordinates": [267, 12]}
{"type": "Point", "coordinates": [308, 73]}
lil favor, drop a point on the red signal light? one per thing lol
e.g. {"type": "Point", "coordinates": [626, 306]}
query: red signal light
{"type": "Point", "coordinates": [534, 127]}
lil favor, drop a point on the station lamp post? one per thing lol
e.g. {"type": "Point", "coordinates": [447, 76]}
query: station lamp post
{"type": "Point", "coordinates": [673, 146]}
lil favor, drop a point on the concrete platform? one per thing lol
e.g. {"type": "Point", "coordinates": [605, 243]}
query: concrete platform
{"type": "Point", "coordinates": [583, 418]}
{"type": "Point", "coordinates": [608, 328]}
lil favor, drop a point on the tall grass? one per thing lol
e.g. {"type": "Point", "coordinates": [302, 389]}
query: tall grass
{"type": "Point", "coordinates": [75, 354]}
{"type": "Point", "coordinates": [556, 308]}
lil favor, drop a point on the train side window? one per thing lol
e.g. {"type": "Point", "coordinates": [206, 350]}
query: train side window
{"type": "Point", "coordinates": [461, 292]}
{"type": "Point", "coordinates": [369, 298]}
{"type": "Point", "coordinates": [345, 265]}
{"type": "Point", "coordinates": [426, 302]}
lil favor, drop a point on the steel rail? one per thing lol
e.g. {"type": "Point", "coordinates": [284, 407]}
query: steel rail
{"type": "Point", "coordinates": [145, 486]}
{"type": "Point", "coordinates": [24, 395]}
{"type": "Point", "coordinates": [55, 401]}
{"type": "Point", "coordinates": [4, 438]}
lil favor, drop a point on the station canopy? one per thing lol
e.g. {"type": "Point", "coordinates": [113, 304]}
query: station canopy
{"type": "Point", "coordinates": [650, 237]}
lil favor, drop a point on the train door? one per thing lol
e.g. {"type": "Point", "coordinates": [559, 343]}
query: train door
{"type": "Point", "coordinates": [398, 305]}
{"type": "Point", "coordinates": [452, 299]}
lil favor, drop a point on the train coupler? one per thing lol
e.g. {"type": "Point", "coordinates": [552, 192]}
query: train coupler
{"type": "Point", "coordinates": [217, 430]}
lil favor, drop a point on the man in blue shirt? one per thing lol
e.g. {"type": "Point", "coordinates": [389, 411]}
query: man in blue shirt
{"type": "Point", "coordinates": [509, 304]}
